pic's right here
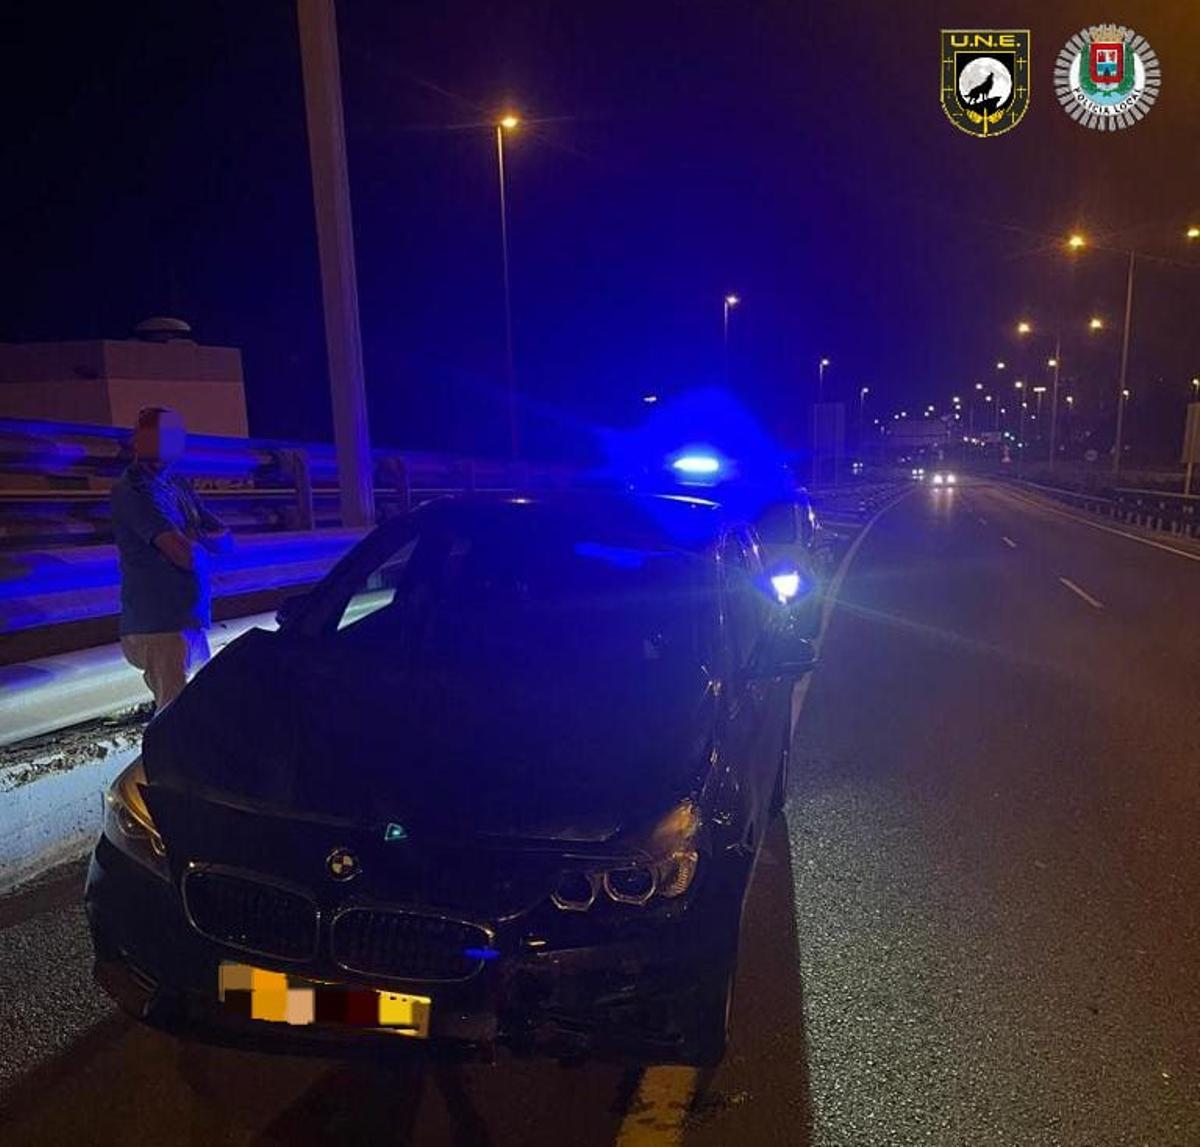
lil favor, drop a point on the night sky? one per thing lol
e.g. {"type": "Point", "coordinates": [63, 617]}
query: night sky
{"type": "Point", "coordinates": [155, 161]}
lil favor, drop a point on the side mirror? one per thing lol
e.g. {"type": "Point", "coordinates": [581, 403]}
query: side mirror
{"type": "Point", "coordinates": [289, 608]}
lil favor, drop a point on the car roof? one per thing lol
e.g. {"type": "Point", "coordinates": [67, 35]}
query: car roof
{"type": "Point", "coordinates": [668, 520]}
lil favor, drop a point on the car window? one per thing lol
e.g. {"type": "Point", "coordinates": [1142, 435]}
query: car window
{"type": "Point", "coordinates": [522, 598]}
{"type": "Point", "coordinates": [378, 589]}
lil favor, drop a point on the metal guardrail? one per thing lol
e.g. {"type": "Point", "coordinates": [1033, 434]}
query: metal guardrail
{"type": "Point", "coordinates": [1177, 514]}
{"type": "Point", "coordinates": [55, 478]}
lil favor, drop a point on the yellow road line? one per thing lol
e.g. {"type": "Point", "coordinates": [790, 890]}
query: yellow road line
{"type": "Point", "coordinates": [656, 1114]}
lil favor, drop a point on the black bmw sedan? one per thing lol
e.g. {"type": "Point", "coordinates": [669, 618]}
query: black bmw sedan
{"type": "Point", "coordinates": [500, 779]}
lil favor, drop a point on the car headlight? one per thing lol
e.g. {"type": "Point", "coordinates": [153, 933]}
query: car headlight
{"type": "Point", "coordinates": [951, 479]}
{"type": "Point", "coordinates": [937, 479]}
{"type": "Point", "coordinates": [128, 823]}
{"type": "Point", "coordinates": [665, 868]}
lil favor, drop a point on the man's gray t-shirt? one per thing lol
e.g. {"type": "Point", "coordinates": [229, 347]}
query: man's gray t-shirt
{"type": "Point", "coordinates": [156, 595]}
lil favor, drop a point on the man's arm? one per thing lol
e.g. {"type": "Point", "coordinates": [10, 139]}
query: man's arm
{"type": "Point", "coordinates": [177, 548]}
{"type": "Point", "coordinates": [138, 511]}
{"type": "Point", "coordinates": [213, 534]}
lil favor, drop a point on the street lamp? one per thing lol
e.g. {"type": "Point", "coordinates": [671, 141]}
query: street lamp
{"type": "Point", "coordinates": [1026, 328]}
{"type": "Point", "coordinates": [728, 303]}
{"type": "Point", "coordinates": [1076, 241]}
{"type": "Point", "coordinates": [1132, 257]}
{"type": "Point", "coordinates": [824, 362]}
{"type": "Point", "coordinates": [1001, 365]}
{"type": "Point", "coordinates": [1193, 232]}
{"type": "Point", "coordinates": [506, 123]}
{"type": "Point", "coordinates": [1095, 324]}
{"type": "Point", "coordinates": [862, 406]}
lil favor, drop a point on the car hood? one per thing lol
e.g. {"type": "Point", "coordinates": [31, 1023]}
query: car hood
{"type": "Point", "coordinates": [296, 726]}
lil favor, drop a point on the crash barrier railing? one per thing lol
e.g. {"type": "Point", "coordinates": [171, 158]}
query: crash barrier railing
{"type": "Point", "coordinates": [1177, 514]}
{"type": "Point", "coordinates": [55, 587]}
{"type": "Point", "coordinates": [55, 478]}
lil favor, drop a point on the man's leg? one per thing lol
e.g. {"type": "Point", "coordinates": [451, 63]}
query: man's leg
{"type": "Point", "coordinates": [164, 657]}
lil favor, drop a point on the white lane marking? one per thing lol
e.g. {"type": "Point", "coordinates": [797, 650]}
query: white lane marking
{"type": "Point", "coordinates": [1107, 529]}
{"type": "Point", "coordinates": [1009, 542]}
{"type": "Point", "coordinates": [1083, 593]}
{"type": "Point", "coordinates": [658, 1110]}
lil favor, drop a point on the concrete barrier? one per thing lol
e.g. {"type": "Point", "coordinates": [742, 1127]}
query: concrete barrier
{"type": "Point", "coordinates": [38, 697]}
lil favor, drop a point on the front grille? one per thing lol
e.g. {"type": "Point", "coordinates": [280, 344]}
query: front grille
{"type": "Point", "coordinates": [247, 914]}
{"type": "Point", "coordinates": [407, 945]}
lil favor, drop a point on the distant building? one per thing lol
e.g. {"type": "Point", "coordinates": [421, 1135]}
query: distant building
{"type": "Point", "coordinates": [107, 381]}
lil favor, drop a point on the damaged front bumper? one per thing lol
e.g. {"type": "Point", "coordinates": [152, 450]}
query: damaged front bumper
{"type": "Point", "coordinates": [568, 991]}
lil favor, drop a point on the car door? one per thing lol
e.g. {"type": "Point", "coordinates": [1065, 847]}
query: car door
{"type": "Point", "coordinates": [755, 719]}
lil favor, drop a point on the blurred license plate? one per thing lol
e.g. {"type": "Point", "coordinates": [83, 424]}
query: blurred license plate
{"type": "Point", "coordinates": [279, 997]}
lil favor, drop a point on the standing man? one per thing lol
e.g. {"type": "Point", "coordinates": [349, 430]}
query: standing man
{"type": "Point", "coordinates": [164, 537]}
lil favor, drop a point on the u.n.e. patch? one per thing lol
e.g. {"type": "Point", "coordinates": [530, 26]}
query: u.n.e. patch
{"type": "Point", "coordinates": [985, 79]}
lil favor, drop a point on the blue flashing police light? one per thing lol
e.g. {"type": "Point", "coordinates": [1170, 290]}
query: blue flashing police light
{"type": "Point", "coordinates": [696, 465]}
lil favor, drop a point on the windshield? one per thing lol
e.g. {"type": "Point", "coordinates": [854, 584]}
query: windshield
{"type": "Point", "coordinates": [536, 595]}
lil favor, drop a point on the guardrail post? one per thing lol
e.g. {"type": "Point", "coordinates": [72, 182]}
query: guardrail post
{"type": "Point", "coordinates": [394, 472]}
{"type": "Point", "coordinates": [294, 464]}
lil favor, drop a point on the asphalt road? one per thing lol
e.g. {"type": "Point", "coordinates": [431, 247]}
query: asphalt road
{"type": "Point", "coordinates": [979, 924]}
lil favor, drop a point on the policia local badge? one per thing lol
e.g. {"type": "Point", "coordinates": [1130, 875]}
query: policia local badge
{"type": "Point", "coordinates": [1107, 77]}
{"type": "Point", "coordinates": [985, 79]}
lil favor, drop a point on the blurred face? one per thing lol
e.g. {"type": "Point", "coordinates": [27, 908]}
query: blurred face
{"type": "Point", "coordinates": [161, 440]}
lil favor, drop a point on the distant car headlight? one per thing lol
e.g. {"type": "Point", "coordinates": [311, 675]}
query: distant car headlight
{"type": "Point", "coordinates": [938, 479]}
{"type": "Point", "coordinates": [666, 869]}
{"type": "Point", "coordinates": [128, 823]}
{"type": "Point", "coordinates": [951, 479]}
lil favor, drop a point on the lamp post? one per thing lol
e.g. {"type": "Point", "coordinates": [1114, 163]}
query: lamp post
{"type": "Point", "coordinates": [1020, 387]}
{"type": "Point", "coordinates": [821, 365]}
{"type": "Point", "coordinates": [507, 123]}
{"type": "Point", "coordinates": [727, 305]}
{"type": "Point", "coordinates": [1024, 327]}
{"type": "Point", "coordinates": [1077, 242]}
{"type": "Point", "coordinates": [862, 410]}
{"type": "Point", "coordinates": [320, 68]}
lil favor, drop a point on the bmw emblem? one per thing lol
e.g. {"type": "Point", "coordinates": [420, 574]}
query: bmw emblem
{"type": "Point", "coordinates": [342, 864]}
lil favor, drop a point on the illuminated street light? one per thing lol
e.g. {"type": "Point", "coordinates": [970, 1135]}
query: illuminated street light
{"type": "Point", "coordinates": [1070, 400]}
{"type": "Point", "coordinates": [650, 399]}
{"type": "Point", "coordinates": [727, 305]}
{"type": "Point", "coordinates": [979, 386]}
{"type": "Point", "coordinates": [1023, 328]}
{"type": "Point", "coordinates": [1001, 365]}
{"type": "Point", "coordinates": [1096, 324]}
{"type": "Point", "coordinates": [1052, 362]}
{"type": "Point", "coordinates": [1193, 232]}
{"type": "Point", "coordinates": [1076, 241]}
{"type": "Point", "coordinates": [507, 122]}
